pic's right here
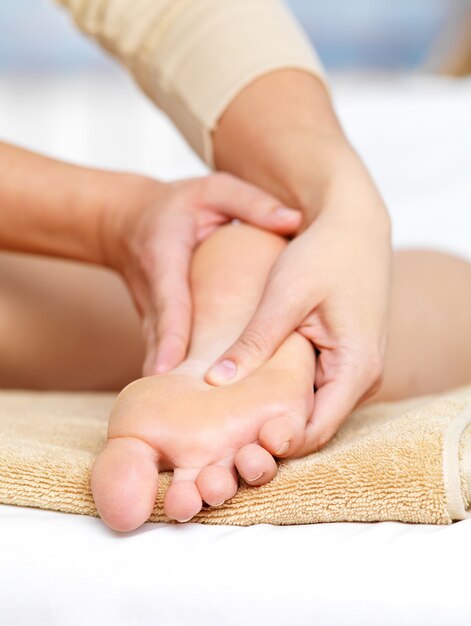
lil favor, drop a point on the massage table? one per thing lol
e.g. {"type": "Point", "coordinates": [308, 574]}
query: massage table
{"type": "Point", "coordinates": [69, 570]}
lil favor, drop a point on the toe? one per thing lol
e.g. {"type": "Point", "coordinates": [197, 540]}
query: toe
{"type": "Point", "coordinates": [124, 483]}
{"type": "Point", "coordinates": [255, 464]}
{"type": "Point", "coordinates": [216, 484]}
{"type": "Point", "coordinates": [282, 436]}
{"type": "Point", "coordinates": [183, 500]}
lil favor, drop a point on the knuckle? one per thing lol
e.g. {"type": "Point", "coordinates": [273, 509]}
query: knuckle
{"type": "Point", "coordinates": [254, 342]}
{"type": "Point", "coordinates": [208, 186]}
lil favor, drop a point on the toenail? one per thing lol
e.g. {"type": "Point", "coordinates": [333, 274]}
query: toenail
{"type": "Point", "coordinates": [254, 478]}
{"type": "Point", "coordinates": [284, 448]}
{"type": "Point", "coordinates": [184, 521]}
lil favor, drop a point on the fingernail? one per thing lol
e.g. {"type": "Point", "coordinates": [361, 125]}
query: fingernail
{"type": "Point", "coordinates": [283, 449]}
{"type": "Point", "coordinates": [223, 371]}
{"type": "Point", "coordinates": [283, 213]}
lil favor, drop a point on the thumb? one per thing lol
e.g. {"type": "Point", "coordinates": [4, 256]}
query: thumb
{"type": "Point", "coordinates": [241, 200]}
{"type": "Point", "coordinates": [274, 320]}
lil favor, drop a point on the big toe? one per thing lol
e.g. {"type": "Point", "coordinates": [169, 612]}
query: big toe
{"type": "Point", "coordinates": [282, 436]}
{"type": "Point", "coordinates": [124, 483]}
{"type": "Point", "coordinates": [216, 484]}
{"type": "Point", "coordinates": [255, 464]}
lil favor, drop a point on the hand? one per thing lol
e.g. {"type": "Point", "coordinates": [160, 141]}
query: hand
{"type": "Point", "coordinates": [332, 284]}
{"type": "Point", "coordinates": [149, 234]}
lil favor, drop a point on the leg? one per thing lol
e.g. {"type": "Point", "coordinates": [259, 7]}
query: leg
{"type": "Point", "coordinates": [78, 323]}
{"type": "Point", "coordinates": [429, 347]}
{"type": "Point", "coordinates": [65, 325]}
{"type": "Point", "coordinates": [204, 433]}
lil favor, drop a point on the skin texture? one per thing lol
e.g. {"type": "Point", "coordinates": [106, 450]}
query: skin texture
{"type": "Point", "coordinates": [204, 433]}
{"type": "Point", "coordinates": [152, 244]}
{"type": "Point", "coordinates": [142, 228]}
{"type": "Point", "coordinates": [207, 435]}
{"type": "Point", "coordinates": [79, 323]}
{"type": "Point", "coordinates": [282, 133]}
{"type": "Point", "coordinates": [85, 335]}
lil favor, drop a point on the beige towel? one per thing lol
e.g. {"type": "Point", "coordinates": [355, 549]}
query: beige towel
{"type": "Point", "coordinates": [407, 461]}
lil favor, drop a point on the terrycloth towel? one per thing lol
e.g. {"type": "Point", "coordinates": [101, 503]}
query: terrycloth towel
{"type": "Point", "coordinates": [408, 461]}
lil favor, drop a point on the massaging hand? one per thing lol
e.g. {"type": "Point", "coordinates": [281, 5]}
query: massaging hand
{"type": "Point", "coordinates": [331, 283]}
{"type": "Point", "coordinates": [150, 237]}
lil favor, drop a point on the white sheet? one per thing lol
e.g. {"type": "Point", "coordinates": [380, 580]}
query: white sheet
{"type": "Point", "coordinates": [68, 570]}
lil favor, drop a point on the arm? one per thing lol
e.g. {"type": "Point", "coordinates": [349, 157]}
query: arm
{"type": "Point", "coordinates": [241, 78]}
{"type": "Point", "coordinates": [333, 280]}
{"type": "Point", "coordinates": [192, 57]}
{"type": "Point", "coordinates": [50, 207]}
{"type": "Point", "coordinates": [281, 132]}
{"type": "Point", "coordinates": [142, 228]}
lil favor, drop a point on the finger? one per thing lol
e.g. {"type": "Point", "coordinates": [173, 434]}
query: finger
{"type": "Point", "coordinates": [183, 500]}
{"type": "Point", "coordinates": [124, 483]}
{"type": "Point", "coordinates": [255, 464]}
{"type": "Point", "coordinates": [170, 306]}
{"type": "Point", "coordinates": [148, 331]}
{"type": "Point", "coordinates": [241, 200]}
{"type": "Point", "coordinates": [344, 378]}
{"type": "Point", "coordinates": [333, 402]}
{"type": "Point", "coordinates": [276, 317]}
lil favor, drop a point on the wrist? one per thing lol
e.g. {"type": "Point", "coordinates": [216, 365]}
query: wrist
{"type": "Point", "coordinates": [51, 207]}
{"type": "Point", "coordinates": [319, 173]}
{"type": "Point", "coordinates": [342, 186]}
{"type": "Point", "coordinates": [125, 198]}
{"type": "Point", "coordinates": [282, 134]}
{"type": "Point", "coordinates": [279, 133]}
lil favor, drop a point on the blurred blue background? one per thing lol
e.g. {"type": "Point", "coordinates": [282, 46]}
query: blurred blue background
{"type": "Point", "coordinates": [349, 34]}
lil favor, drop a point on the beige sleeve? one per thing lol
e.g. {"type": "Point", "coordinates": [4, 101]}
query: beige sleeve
{"type": "Point", "coordinates": [192, 57]}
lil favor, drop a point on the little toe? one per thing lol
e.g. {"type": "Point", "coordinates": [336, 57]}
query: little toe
{"type": "Point", "coordinates": [124, 483]}
{"type": "Point", "coordinates": [255, 464]}
{"type": "Point", "coordinates": [216, 484]}
{"type": "Point", "coordinates": [282, 436]}
{"type": "Point", "coordinates": [183, 500]}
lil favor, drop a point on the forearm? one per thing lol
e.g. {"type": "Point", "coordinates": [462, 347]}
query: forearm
{"type": "Point", "coordinates": [54, 208]}
{"type": "Point", "coordinates": [191, 57]}
{"type": "Point", "coordinates": [281, 133]}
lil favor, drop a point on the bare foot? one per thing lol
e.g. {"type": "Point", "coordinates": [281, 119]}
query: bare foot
{"type": "Point", "coordinates": [204, 434]}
